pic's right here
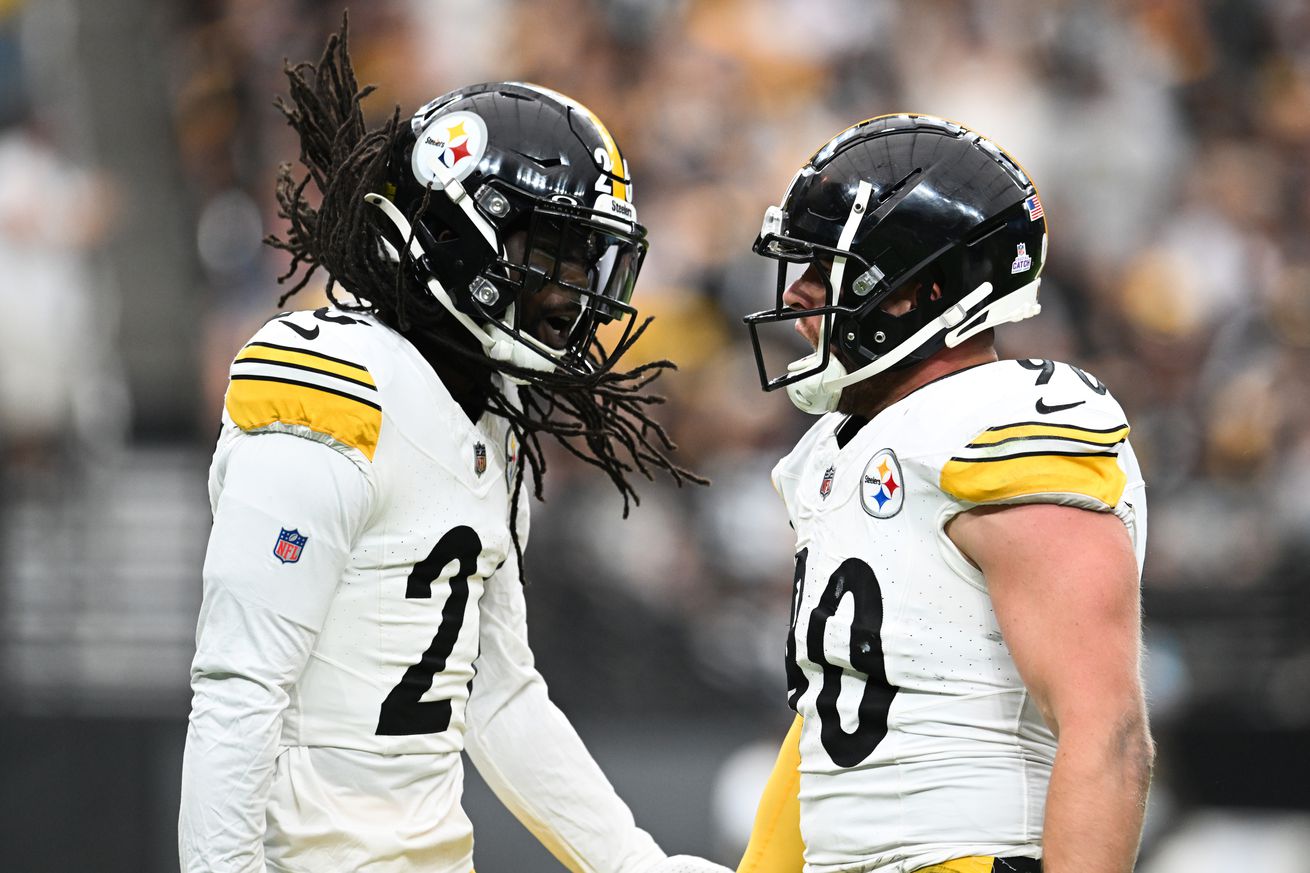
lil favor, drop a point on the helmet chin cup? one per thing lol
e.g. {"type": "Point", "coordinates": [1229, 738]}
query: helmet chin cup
{"type": "Point", "coordinates": [814, 394]}
{"type": "Point", "coordinates": [507, 351]}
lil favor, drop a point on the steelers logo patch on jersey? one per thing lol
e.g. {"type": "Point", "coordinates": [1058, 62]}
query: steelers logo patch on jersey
{"type": "Point", "coordinates": [881, 492]}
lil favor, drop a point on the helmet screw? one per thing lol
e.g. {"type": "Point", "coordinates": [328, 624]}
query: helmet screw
{"type": "Point", "coordinates": [879, 337]}
{"type": "Point", "coordinates": [850, 336]}
{"type": "Point", "coordinates": [484, 292]}
{"type": "Point", "coordinates": [494, 202]}
{"type": "Point", "coordinates": [859, 207]}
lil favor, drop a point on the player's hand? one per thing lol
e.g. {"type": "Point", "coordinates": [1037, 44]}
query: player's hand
{"type": "Point", "coordinates": [688, 864]}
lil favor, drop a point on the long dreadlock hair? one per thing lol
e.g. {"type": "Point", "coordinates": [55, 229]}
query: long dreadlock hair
{"type": "Point", "coordinates": [601, 419]}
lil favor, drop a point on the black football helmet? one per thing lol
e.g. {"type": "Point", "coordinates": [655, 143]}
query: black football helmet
{"type": "Point", "coordinates": [891, 204]}
{"type": "Point", "coordinates": [525, 189]}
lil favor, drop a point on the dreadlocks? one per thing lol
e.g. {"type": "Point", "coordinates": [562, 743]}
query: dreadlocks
{"type": "Point", "coordinates": [601, 418]}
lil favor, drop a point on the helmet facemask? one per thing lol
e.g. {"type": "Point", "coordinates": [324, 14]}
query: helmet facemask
{"type": "Point", "coordinates": [862, 333]}
{"type": "Point", "coordinates": [563, 273]}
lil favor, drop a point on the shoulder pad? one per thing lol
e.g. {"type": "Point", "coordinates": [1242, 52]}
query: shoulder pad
{"type": "Point", "coordinates": [1046, 432]}
{"type": "Point", "coordinates": [298, 372]}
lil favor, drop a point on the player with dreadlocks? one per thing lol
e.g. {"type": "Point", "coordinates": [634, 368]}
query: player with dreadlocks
{"type": "Point", "coordinates": [365, 562]}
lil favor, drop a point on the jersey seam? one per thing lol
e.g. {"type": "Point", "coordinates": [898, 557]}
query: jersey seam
{"type": "Point", "coordinates": [305, 431]}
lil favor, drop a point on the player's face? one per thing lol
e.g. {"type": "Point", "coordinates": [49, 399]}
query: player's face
{"type": "Point", "coordinates": [807, 292]}
{"type": "Point", "coordinates": [550, 313]}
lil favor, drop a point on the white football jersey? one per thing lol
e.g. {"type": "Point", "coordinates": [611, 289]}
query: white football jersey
{"type": "Point", "coordinates": [919, 742]}
{"type": "Point", "coordinates": [392, 665]}
{"type": "Point", "coordinates": [362, 607]}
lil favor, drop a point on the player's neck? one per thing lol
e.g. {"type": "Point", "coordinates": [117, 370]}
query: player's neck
{"type": "Point", "coordinates": [872, 396]}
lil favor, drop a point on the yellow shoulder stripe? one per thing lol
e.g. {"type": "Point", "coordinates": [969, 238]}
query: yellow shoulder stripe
{"type": "Point", "coordinates": [255, 402]}
{"type": "Point", "coordinates": [1032, 429]}
{"type": "Point", "coordinates": [1096, 475]}
{"type": "Point", "coordinates": [260, 352]}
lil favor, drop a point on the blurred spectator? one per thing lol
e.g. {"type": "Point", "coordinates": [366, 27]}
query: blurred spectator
{"type": "Point", "coordinates": [52, 375]}
{"type": "Point", "coordinates": [1178, 254]}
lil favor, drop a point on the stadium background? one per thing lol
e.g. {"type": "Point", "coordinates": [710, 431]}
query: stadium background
{"type": "Point", "coordinates": [138, 144]}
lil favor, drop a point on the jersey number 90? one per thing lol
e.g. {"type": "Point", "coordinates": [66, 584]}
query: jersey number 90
{"type": "Point", "coordinates": [856, 578]}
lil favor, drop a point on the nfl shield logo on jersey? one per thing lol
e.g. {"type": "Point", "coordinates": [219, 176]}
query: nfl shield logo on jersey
{"type": "Point", "coordinates": [881, 490]}
{"type": "Point", "coordinates": [479, 458]}
{"type": "Point", "coordinates": [290, 543]}
{"type": "Point", "coordinates": [825, 487]}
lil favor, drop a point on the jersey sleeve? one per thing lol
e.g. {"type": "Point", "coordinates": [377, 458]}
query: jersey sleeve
{"type": "Point", "coordinates": [286, 514]}
{"type": "Point", "coordinates": [302, 374]}
{"type": "Point", "coordinates": [1056, 441]}
{"type": "Point", "coordinates": [551, 784]}
{"type": "Point", "coordinates": [775, 844]}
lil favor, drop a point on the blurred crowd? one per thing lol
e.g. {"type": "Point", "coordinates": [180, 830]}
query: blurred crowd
{"type": "Point", "coordinates": [1170, 140]}
{"type": "Point", "coordinates": [1171, 143]}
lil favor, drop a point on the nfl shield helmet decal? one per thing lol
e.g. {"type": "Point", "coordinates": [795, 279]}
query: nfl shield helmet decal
{"type": "Point", "coordinates": [882, 492]}
{"type": "Point", "coordinates": [290, 544]}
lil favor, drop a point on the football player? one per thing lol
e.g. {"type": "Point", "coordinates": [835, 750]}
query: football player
{"type": "Point", "coordinates": [363, 617]}
{"type": "Point", "coordinates": [964, 649]}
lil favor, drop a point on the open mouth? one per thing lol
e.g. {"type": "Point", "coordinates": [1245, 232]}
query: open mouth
{"type": "Point", "coordinates": [556, 324]}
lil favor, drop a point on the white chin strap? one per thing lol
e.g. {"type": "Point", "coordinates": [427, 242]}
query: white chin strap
{"type": "Point", "coordinates": [498, 343]}
{"type": "Point", "coordinates": [819, 393]}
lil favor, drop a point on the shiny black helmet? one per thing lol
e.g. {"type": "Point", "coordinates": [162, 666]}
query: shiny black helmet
{"type": "Point", "coordinates": [888, 206]}
{"type": "Point", "coordinates": [498, 191]}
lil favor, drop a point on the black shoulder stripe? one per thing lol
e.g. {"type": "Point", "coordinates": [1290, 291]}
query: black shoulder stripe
{"type": "Point", "coordinates": [304, 351]}
{"type": "Point", "coordinates": [307, 370]}
{"type": "Point", "coordinates": [1060, 437]}
{"type": "Point", "coordinates": [1037, 455]}
{"type": "Point", "coordinates": [344, 394]}
{"type": "Point", "coordinates": [1054, 424]}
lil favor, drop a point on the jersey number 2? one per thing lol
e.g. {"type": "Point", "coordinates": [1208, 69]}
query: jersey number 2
{"type": "Point", "coordinates": [403, 714]}
{"type": "Point", "coordinates": [846, 748]}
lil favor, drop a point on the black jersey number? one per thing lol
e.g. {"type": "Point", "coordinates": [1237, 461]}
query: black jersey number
{"type": "Point", "coordinates": [402, 713]}
{"type": "Point", "coordinates": [846, 748]}
{"type": "Point", "coordinates": [1046, 369]}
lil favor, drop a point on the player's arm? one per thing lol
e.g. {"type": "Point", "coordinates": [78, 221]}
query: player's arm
{"type": "Point", "coordinates": [259, 618]}
{"type": "Point", "coordinates": [531, 756]}
{"type": "Point", "coordinates": [775, 845]}
{"type": "Point", "coordinates": [1064, 583]}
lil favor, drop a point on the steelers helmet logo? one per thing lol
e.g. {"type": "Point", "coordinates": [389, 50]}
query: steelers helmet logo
{"type": "Point", "coordinates": [449, 147]}
{"type": "Point", "coordinates": [882, 489]}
